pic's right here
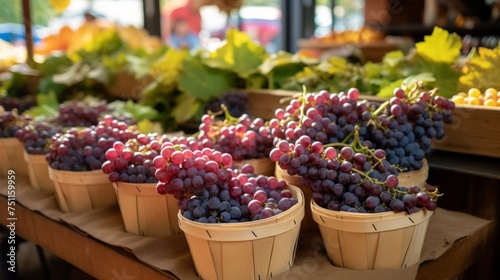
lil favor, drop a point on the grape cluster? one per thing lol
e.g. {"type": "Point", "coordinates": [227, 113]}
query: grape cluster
{"type": "Point", "coordinates": [84, 150]}
{"type": "Point", "coordinates": [235, 101]}
{"type": "Point", "coordinates": [20, 104]}
{"type": "Point", "coordinates": [10, 122]}
{"type": "Point", "coordinates": [208, 191]}
{"type": "Point", "coordinates": [37, 136]}
{"type": "Point", "coordinates": [132, 162]}
{"type": "Point", "coordinates": [79, 114]}
{"type": "Point", "coordinates": [241, 137]}
{"type": "Point", "coordinates": [394, 126]}
{"type": "Point", "coordinates": [354, 178]}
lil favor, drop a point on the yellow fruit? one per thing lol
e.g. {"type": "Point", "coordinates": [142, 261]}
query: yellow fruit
{"type": "Point", "coordinates": [491, 90]}
{"type": "Point", "coordinates": [471, 100]}
{"type": "Point", "coordinates": [463, 94]}
{"type": "Point", "coordinates": [490, 103]}
{"type": "Point", "coordinates": [489, 95]}
{"type": "Point", "coordinates": [458, 99]}
{"type": "Point", "coordinates": [474, 92]}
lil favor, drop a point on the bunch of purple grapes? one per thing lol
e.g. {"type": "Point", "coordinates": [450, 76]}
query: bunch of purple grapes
{"type": "Point", "coordinates": [84, 150]}
{"type": "Point", "coordinates": [132, 162]}
{"type": "Point", "coordinates": [394, 126]}
{"type": "Point", "coordinates": [235, 101]}
{"type": "Point", "coordinates": [243, 138]}
{"type": "Point", "coordinates": [37, 136]}
{"type": "Point", "coordinates": [354, 178]}
{"type": "Point", "coordinates": [79, 114]}
{"type": "Point", "coordinates": [20, 104]}
{"type": "Point", "coordinates": [83, 114]}
{"type": "Point", "coordinates": [209, 191]}
{"type": "Point", "coordinates": [10, 122]}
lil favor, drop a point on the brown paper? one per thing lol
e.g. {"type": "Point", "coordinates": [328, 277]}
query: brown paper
{"type": "Point", "coordinates": [171, 254]}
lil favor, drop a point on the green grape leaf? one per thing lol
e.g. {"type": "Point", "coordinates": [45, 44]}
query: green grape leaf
{"type": "Point", "coordinates": [445, 75]}
{"type": "Point", "coordinates": [388, 90]}
{"type": "Point", "coordinates": [202, 82]}
{"type": "Point", "coordinates": [238, 53]}
{"type": "Point", "coordinates": [482, 71]}
{"type": "Point", "coordinates": [425, 77]}
{"type": "Point", "coordinates": [282, 65]}
{"type": "Point", "coordinates": [72, 75]}
{"type": "Point", "coordinates": [440, 46]}
{"type": "Point", "coordinates": [166, 68]}
{"type": "Point", "coordinates": [47, 105]}
{"type": "Point", "coordinates": [54, 64]}
{"type": "Point", "coordinates": [394, 58]}
{"type": "Point", "coordinates": [186, 107]}
{"type": "Point", "coordinates": [146, 126]}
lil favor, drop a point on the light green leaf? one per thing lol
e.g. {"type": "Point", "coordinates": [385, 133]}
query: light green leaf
{"type": "Point", "coordinates": [440, 46]}
{"type": "Point", "coordinates": [388, 91]}
{"type": "Point", "coordinates": [75, 74]}
{"type": "Point", "coordinates": [238, 53]}
{"type": "Point", "coordinates": [47, 105]}
{"type": "Point", "coordinates": [202, 82]}
{"type": "Point", "coordinates": [147, 126]}
{"type": "Point", "coordinates": [425, 77]}
{"type": "Point", "coordinates": [186, 107]}
{"type": "Point", "coordinates": [393, 58]}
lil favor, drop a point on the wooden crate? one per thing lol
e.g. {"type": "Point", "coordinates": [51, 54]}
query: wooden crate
{"type": "Point", "coordinates": [475, 131]}
{"type": "Point", "coordinates": [264, 102]}
{"type": "Point", "coordinates": [38, 169]}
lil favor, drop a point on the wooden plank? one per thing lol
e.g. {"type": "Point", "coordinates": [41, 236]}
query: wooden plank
{"type": "Point", "coordinates": [474, 131]}
{"type": "Point", "coordinates": [90, 255]}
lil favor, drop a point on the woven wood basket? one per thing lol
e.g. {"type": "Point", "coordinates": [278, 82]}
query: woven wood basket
{"type": "Point", "coordinates": [11, 157]}
{"type": "Point", "coordinates": [248, 250]}
{"type": "Point", "coordinates": [38, 169]}
{"type": "Point", "coordinates": [365, 241]}
{"type": "Point", "coordinates": [145, 212]}
{"type": "Point", "coordinates": [82, 191]}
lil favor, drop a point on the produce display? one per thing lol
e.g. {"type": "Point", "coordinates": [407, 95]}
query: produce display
{"type": "Point", "coordinates": [217, 193]}
{"type": "Point", "coordinates": [490, 97]}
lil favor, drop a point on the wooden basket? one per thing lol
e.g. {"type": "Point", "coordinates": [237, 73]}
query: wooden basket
{"type": "Point", "coordinates": [308, 224]}
{"type": "Point", "coordinates": [82, 191]}
{"type": "Point", "coordinates": [366, 241]}
{"type": "Point", "coordinates": [145, 212]}
{"type": "Point", "coordinates": [249, 250]}
{"type": "Point", "coordinates": [417, 177]}
{"type": "Point", "coordinates": [261, 166]}
{"type": "Point", "coordinates": [38, 169]}
{"type": "Point", "coordinates": [11, 157]}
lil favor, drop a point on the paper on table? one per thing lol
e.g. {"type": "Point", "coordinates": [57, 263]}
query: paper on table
{"type": "Point", "coordinates": [172, 254]}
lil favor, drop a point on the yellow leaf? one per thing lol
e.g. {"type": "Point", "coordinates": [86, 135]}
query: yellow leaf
{"type": "Point", "coordinates": [59, 5]}
{"type": "Point", "coordinates": [440, 46]}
